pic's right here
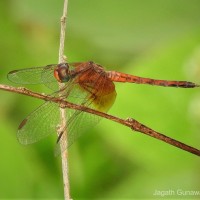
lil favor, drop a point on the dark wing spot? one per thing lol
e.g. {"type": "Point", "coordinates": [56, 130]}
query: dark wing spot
{"type": "Point", "coordinates": [22, 124]}
{"type": "Point", "coordinates": [12, 72]}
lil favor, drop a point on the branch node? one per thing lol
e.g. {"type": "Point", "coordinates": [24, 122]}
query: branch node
{"type": "Point", "coordinates": [63, 19]}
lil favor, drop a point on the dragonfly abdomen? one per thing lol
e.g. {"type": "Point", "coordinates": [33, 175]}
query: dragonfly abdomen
{"type": "Point", "coordinates": [121, 77]}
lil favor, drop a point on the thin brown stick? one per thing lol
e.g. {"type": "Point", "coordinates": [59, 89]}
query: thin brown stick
{"type": "Point", "coordinates": [62, 33]}
{"type": "Point", "coordinates": [63, 117]}
{"type": "Point", "coordinates": [131, 123]}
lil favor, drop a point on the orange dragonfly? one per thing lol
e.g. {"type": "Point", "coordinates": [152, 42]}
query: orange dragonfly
{"type": "Point", "coordinates": [86, 84]}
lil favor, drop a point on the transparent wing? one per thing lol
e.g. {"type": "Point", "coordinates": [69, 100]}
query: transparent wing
{"type": "Point", "coordinates": [45, 119]}
{"type": "Point", "coordinates": [35, 75]}
{"type": "Point", "coordinates": [43, 122]}
{"type": "Point", "coordinates": [39, 124]}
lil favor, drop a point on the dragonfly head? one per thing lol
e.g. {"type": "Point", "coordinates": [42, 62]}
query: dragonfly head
{"type": "Point", "coordinates": [61, 72]}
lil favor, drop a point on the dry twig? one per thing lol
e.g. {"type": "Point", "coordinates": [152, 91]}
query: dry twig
{"type": "Point", "coordinates": [63, 119]}
{"type": "Point", "coordinates": [131, 123]}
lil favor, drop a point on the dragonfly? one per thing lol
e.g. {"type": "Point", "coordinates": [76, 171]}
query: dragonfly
{"type": "Point", "coordinates": [83, 83]}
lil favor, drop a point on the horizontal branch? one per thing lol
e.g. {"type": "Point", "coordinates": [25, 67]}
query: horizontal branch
{"type": "Point", "coordinates": [131, 123]}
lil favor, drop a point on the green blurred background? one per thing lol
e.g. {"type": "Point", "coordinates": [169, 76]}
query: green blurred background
{"type": "Point", "coordinates": [150, 38]}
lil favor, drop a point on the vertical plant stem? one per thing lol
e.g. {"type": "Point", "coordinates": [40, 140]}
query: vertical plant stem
{"type": "Point", "coordinates": [62, 33]}
{"type": "Point", "coordinates": [63, 117]}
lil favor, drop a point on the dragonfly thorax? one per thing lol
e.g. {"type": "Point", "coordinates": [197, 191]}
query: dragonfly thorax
{"type": "Point", "coordinates": [61, 72]}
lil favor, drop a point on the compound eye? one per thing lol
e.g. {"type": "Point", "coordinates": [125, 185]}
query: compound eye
{"type": "Point", "coordinates": [61, 72]}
